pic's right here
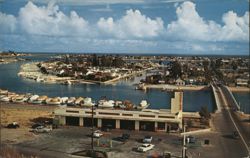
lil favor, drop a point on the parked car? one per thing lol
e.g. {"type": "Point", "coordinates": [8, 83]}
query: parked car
{"type": "Point", "coordinates": [191, 139]}
{"type": "Point", "coordinates": [147, 139]}
{"type": "Point", "coordinates": [123, 138]}
{"type": "Point", "coordinates": [13, 125]}
{"type": "Point", "coordinates": [236, 135]}
{"type": "Point", "coordinates": [97, 134]}
{"type": "Point", "coordinates": [34, 126]}
{"type": "Point", "coordinates": [42, 129]}
{"type": "Point", "coordinates": [145, 147]}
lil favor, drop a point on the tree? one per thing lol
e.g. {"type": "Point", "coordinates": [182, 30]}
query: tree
{"type": "Point", "coordinates": [204, 113]}
{"type": "Point", "coordinates": [176, 69]}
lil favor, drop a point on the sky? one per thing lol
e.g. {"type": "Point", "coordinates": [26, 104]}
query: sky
{"type": "Point", "coordinates": [205, 27]}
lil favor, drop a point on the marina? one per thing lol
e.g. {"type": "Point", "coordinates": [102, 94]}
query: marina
{"type": "Point", "coordinates": [121, 90]}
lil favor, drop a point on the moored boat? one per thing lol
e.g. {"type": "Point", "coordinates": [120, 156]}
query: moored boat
{"type": "Point", "coordinates": [106, 103]}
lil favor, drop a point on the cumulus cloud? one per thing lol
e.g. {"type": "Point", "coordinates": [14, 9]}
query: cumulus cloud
{"type": "Point", "coordinates": [191, 26]}
{"type": "Point", "coordinates": [48, 25]}
{"type": "Point", "coordinates": [7, 23]}
{"type": "Point", "coordinates": [50, 21]}
{"type": "Point", "coordinates": [133, 24]}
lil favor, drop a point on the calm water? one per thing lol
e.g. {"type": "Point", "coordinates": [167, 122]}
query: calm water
{"type": "Point", "coordinates": [122, 90]}
{"type": "Point", "coordinates": [243, 100]}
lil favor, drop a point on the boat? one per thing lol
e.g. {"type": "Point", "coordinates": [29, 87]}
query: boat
{"type": "Point", "coordinates": [71, 101]}
{"type": "Point", "coordinates": [64, 100]}
{"type": "Point", "coordinates": [88, 102]}
{"type": "Point", "coordinates": [53, 101]}
{"type": "Point", "coordinates": [3, 91]}
{"type": "Point", "coordinates": [143, 105]}
{"type": "Point", "coordinates": [79, 100]}
{"type": "Point", "coordinates": [5, 99]}
{"type": "Point", "coordinates": [18, 99]}
{"type": "Point", "coordinates": [106, 103]}
{"type": "Point", "coordinates": [33, 98]}
{"type": "Point", "coordinates": [40, 100]}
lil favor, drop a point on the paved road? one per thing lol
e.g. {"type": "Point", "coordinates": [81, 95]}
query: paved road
{"type": "Point", "coordinates": [224, 124]}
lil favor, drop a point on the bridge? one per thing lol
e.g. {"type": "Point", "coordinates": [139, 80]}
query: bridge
{"type": "Point", "coordinates": [226, 120]}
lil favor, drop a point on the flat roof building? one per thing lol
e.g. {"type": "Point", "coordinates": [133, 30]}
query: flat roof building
{"type": "Point", "coordinates": [146, 119]}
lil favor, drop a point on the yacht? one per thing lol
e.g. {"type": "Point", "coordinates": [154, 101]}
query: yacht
{"type": "Point", "coordinates": [88, 102]}
{"type": "Point", "coordinates": [143, 105]}
{"type": "Point", "coordinates": [53, 101]}
{"type": "Point", "coordinates": [106, 103]}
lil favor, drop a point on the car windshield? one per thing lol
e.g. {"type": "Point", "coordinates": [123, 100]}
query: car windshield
{"type": "Point", "coordinates": [148, 137]}
{"type": "Point", "coordinates": [145, 145]}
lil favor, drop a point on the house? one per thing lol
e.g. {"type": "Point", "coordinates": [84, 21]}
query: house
{"type": "Point", "coordinates": [241, 82]}
{"type": "Point", "coordinates": [180, 82]}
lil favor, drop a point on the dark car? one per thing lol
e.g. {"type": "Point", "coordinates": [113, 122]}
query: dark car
{"type": "Point", "coordinates": [13, 125]}
{"type": "Point", "coordinates": [191, 139]}
{"type": "Point", "coordinates": [36, 125]}
{"type": "Point", "coordinates": [236, 135]}
{"type": "Point", "coordinates": [123, 138]}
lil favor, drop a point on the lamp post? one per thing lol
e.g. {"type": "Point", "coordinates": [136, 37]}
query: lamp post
{"type": "Point", "coordinates": [92, 133]}
{"type": "Point", "coordinates": [184, 148]}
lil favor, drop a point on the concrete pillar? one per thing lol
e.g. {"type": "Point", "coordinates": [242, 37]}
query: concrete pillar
{"type": "Point", "coordinates": [62, 120]}
{"type": "Point", "coordinates": [99, 123]}
{"type": "Point", "coordinates": [156, 126]}
{"type": "Point", "coordinates": [137, 125]}
{"type": "Point", "coordinates": [81, 122]}
{"type": "Point", "coordinates": [117, 124]}
{"type": "Point", "coordinates": [166, 126]}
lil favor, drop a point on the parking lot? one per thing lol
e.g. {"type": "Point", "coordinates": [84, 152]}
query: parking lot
{"type": "Point", "coordinates": [67, 140]}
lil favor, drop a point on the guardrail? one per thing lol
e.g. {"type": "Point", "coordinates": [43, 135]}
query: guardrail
{"type": "Point", "coordinates": [217, 102]}
{"type": "Point", "coordinates": [232, 96]}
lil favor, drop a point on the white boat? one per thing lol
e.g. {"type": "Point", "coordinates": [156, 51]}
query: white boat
{"type": "Point", "coordinates": [18, 99]}
{"type": "Point", "coordinates": [64, 100]}
{"type": "Point", "coordinates": [79, 100]}
{"type": "Point", "coordinates": [53, 101]}
{"type": "Point", "coordinates": [40, 100]}
{"type": "Point", "coordinates": [88, 102]}
{"type": "Point", "coordinates": [5, 99]}
{"type": "Point", "coordinates": [33, 98]}
{"type": "Point", "coordinates": [106, 104]}
{"type": "Point", "coordinates": [71, 101]}
{"type": "Point", "coordinates": [143, 105]}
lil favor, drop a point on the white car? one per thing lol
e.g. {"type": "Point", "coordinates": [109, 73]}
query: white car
{"type": "Point", "coordinates": [147, 139]}
{"type": "Point", "coordinates": [145, 147]}
{"type": "Point", "coordinates": [42, 129]}
{"type": "Point", "coordinates": [97, 134]}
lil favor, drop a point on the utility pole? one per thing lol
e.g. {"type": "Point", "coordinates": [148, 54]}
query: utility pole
{"type": "Point", "coordinates": [92, 133]}
{"type": "Point", "coordinates": [184, 148]}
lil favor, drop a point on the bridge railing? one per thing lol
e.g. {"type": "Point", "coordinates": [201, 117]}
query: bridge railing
{"type": "Point", "coordinates": [232, 96]}
{"type": "Point", "coordinates": [216, 97]}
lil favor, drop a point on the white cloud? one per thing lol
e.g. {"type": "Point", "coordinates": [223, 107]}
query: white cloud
{"type": "Point", "coordinates": [7, 23]}
{"type": "Point", "coordinates": [133, 24]}
{"type": "Point", "coordinates": [89, 2]}
{"type": "Point", "coordinates": [191, 26]}
{"type": "Point", "coordinates": [50, 21]}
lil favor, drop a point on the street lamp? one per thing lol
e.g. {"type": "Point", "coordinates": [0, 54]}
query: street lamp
{"type": "Point", "coordinates": [92, 133]}
{"type": "Point", "coordinates": [184, 148]}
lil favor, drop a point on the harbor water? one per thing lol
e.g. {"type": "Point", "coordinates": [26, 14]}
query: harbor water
{"type": "Point", "coordinates": [122, 90]}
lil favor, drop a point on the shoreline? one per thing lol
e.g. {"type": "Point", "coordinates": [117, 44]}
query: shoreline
{"type": "Point", "coordinates": [31, 71]}
{"type": "Point", "coordinates": [239, 89]}
{"type": "Point", "coordinates": [174, 87]}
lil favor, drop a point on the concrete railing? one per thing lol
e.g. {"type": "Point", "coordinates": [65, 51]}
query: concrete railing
{"type": "Point", "coordinates": [232, 96]}
{"type": "Point", "coordinates": [217, 101]}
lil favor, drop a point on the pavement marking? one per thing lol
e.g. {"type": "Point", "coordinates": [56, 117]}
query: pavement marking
{"type": "Point", "coordinates": [244, 142]}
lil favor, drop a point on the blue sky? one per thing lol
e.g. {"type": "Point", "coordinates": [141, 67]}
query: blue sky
{"type": "Point", "coordinates": [120, 26]}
